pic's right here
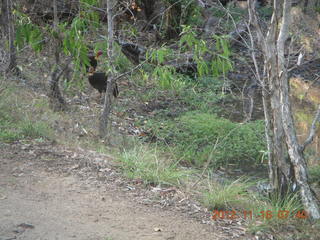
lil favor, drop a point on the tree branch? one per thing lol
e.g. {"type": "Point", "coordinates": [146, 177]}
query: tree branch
{"type": "Point", "coordinates": [312, 131]}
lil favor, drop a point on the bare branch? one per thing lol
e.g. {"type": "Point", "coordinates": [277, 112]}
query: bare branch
{"type": "Point", "coordinates": [253, 19]}
{"type": "Point", "coordinates": [312, 131]}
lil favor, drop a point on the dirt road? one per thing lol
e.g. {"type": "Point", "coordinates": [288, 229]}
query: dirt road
{"type": "Point", "coordinates": [42, 198]}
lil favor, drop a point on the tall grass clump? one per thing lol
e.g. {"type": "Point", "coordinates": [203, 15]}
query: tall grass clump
{"type": "Point", "coordinates": [151, 166]}
{"type": "Point", "coordinates": [228, 196]}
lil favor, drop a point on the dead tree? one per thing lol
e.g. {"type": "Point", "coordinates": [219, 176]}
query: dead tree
{"type": "Point", "coordinates": [57, 101]}
{"type": "Point", "coordinates": [287, 165]}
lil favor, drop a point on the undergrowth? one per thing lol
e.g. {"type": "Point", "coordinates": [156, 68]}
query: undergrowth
{"type": "Point", "coordinates": [201, 137]}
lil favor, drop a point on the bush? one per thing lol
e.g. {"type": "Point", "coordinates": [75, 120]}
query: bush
{"type": "Point", "coordinates": [200, 136]}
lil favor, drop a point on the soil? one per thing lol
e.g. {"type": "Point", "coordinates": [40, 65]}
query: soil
{"type": "Point", "coordinates": [49, 192]}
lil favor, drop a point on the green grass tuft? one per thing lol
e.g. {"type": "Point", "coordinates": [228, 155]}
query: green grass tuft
{"type": "Point", "coordinates": [148, 164]}
{"type": "Point", "coordinates": [228, 196]}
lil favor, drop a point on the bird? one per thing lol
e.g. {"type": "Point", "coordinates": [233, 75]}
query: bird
{"type": "Point", "coordinates": [132, 51]}
{"type": "Point", "coordinates": [98, 80]}
{"type": "Point", "coordinates": [93, 60]}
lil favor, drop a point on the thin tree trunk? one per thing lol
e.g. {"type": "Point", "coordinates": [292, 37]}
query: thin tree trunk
{"type": "Point", "coordinates": [8, 29]}
{"type": "Point", "coordinates": [57, 101]}
{"type": "Point", "coordinates": [107, 107]}
{"type": "Point", "coordinates": [4, 17]}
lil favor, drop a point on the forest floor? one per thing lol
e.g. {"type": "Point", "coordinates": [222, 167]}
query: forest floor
{"type": "Point", "coordinates": [50, 192]}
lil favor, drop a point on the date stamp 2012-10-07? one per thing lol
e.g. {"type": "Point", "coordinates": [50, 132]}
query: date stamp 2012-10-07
{"type": "Point", "coordinates": [265, 214]}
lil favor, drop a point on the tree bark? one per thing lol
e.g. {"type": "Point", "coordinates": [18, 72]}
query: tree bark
{"type": "Point", "coordinates": [107, 107]}
{"type": "Point", "coordinates": [4, 17]}
{"type": "Point", "coordinates": [287, 166]}
{"type": "Point", "coordinates": [294, 149]}
{"type": "Point", "coordinates": [8, 30]}
{"type": "Point", "coordinates": [57, 101]}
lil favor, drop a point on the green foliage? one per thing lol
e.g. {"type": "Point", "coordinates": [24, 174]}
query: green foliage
{"type": "Point", "coordinates": [27, 33]}
{"type": "Point", "coordinates": [197, 137]}
{"type": "Point", "coordinates": [146, 164]}
{"type": "Point", "coordinates": [191, 13]}
{"type": "Point", "coordinates": [88, 14]}
{"type": "Point", "coordinates": [159, 56]}
{"type": "Point", "coordinates": [167, 78]}
{"type": "Point", "coordinates": [219, 65]}
{"type": "Point", "coordinates": [74, 41]}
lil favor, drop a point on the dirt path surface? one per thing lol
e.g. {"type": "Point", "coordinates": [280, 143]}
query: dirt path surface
{"type": "Point", "coordinates": [44, 195]}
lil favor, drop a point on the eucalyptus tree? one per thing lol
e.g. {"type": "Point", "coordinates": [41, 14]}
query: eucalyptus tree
{"type": "Point", "coordinates": [287, 165]}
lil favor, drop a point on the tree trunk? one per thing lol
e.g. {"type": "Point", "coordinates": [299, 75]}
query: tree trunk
{"type": "Point", "coordinates": [107, 107]}
{"type": "Point", "coordinates": [294, 149]}
{"type": "Point", "coordinates": [57, 101]}
{"type": "Point", "coordinates": [287, 166]}
{"type": "Point", "coordinates": [4, 17]}
{"type": "Point", "coordinates": [280, 168]}
{"type": "Point", "coordinates": [8, 30]}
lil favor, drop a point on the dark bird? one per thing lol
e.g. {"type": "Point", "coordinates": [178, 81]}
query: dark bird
{"type": "Point", "coordinates": [93, 60]}
{"type": "Point", "coordinates": [98, 80]}
{"type": "Point", "coordinates": [132, 51]}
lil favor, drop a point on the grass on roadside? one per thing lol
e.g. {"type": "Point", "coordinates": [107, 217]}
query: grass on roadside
{"type": "Point", "coordinates": [15, 120]}
{"type": "Point", "coordinates": [153, 167]}
{"type": "Point", "coordinates": [233, 195]}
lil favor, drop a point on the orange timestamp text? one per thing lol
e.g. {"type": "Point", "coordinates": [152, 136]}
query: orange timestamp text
{"type": "Point", "coordinates": [266, 214]}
